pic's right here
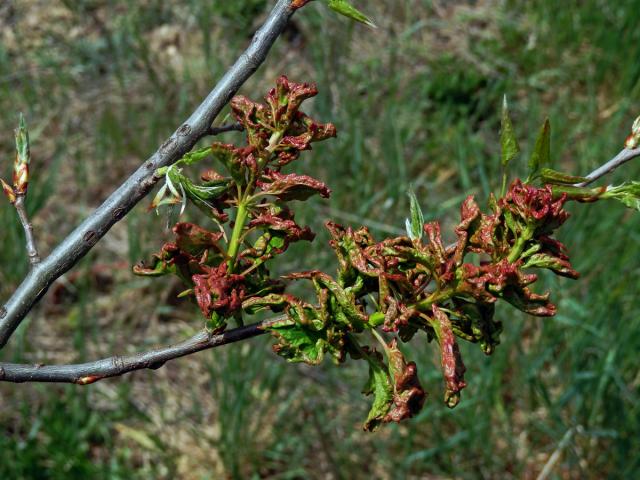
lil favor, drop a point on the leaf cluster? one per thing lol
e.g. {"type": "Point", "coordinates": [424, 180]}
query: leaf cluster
{"type": "Point", "coordinates": [411, 287]}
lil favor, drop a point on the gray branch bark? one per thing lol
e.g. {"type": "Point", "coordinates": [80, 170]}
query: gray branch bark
{"type": "Point", "coordinates": [120, 202]}
{"type": "Point", "coordinates": [86, 373]}
{"type": "Point", "coordinates": [620, 159]}
{"type": "Point", "coordinates": [29, 238]}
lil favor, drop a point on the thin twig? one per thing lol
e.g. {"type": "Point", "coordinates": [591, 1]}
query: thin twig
{"type": "Point", "coordinates": [30, 241]}
{"type": "Point", "coordinates": [85, 373]}
{"type": "Point", "coordinates": [120, 202]}
{"type": "Point", "coordinates": [621, 158]}
{"type": "Point", "coordinates": [234, 127]}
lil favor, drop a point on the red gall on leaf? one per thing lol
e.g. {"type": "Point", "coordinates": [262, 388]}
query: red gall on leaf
{"type": "Point", "coordinates": [535, 205]}
{"type": "Point", "coordinates": [284, 222]}
{"type": "Point", "coordinates": [452, 366]}
{"type": "Point", "coordinates": [195, 240]}
{"type": "Point", "coordinates": [291, 186]}
{"type": "Point", "coordinates": [218, 291]}
{"type": "Point", "coordinates": [285, 99]}
{"type": "Point", "coordinates": [408, 395]}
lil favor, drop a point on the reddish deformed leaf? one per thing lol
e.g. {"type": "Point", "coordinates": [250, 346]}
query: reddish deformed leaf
{"type": "Point", "coordinates": [469, 213]}
{"type": "Point", "coordinates": [408, 395]}
{"type": "Point", "coordinates": [235, 160]}
{"type": "Point", "coordinates": [485, 237]}
{"type": "Point", "coordinates": [396, 314]}
{"type": "Point", "coordinates": [560, 266]}
{"type": "Point", "coordinates": [170, 259]}
{"type": "Point", "coordinates": [218, 291]}
{"type": "Point", "coordinates": [527, 301]}
{"type": "Point", "coordinates": [281, 222]}
{"type": "Point", "coordinates": [285, 99]}
{"type": "Point", "coordinates": [356, 249]}
{"type": "Point", "coordinates": [291, 186]}
{"type": "Point", "coordinates": [194, 239]}
{"type": "Point", "coordinates": [535, 205]}
{"type": "Point", "coordinates": [452, 366]}
{"type": "Point", "coordinates": [302, 132]}
{"type": "Point", "coordinates": [552, 255]}
{"type": "Point", "coordinates": [254, 118]}
{"type": "Point", "coordinates": [442, 262]}
{"type": "Point", "coordinates": [505, 280]}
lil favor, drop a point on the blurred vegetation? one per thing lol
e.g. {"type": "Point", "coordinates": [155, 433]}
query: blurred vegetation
{"type": "Point", "coordinates": [102, 83]}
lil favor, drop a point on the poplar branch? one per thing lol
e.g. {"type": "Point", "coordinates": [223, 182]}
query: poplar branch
{"type": "Point", "coordinates": [120, 202]}
{"type": "Point", "coordinates": [234, 127]}
{"type": "Point", "coordinates": [86, 373]}
{"type": "Point", "coordinates": [621, 158]}
{"type": "Point", "coordinates": [30, 241]}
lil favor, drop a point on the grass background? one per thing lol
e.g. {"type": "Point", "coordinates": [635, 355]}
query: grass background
{"type": "Point", "coordinates": [102, 83]}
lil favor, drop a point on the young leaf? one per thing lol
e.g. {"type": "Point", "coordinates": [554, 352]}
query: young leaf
{"type": "Point", "coordinates": [627, 193]}
{"type": "Point", "coordinates": [542, 151]}
{"type": "Point", "coordinates": [633, 140]}
{"type": "Point", "coordinates": [415, 224]}
{"type": "Point", "coordinates": [343, 7]}
{"type": "Point", "coordinates": [549, 175]}
{"type": "Point", "coordinates": [379, 384]}
{"type": "Point", "coordinates": [508, 142]}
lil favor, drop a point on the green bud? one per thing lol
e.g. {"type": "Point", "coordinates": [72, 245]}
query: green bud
{"type": "Point", "coordinates": [23, 157]}
{"type": "Point", "coordinates": [633, 140]}
{"type": "Point", "coordinates": [8, 191]}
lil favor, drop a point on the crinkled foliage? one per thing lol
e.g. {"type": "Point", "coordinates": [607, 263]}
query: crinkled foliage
{"type": "Point", "coordinates": [403, 285]}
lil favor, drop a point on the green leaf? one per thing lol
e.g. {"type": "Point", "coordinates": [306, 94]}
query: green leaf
{"type": "Point", "coordinates": [198, 193]}
{"type": "Point", "coordinates": [379, 384]}
{"type": "Point", "coordinates": [22, 142]}
{"type": "Point", "coordinates": [376, 319]}
{"type": "Point", "coordinates": [549, 175]}
{"type": "Point", "coordinates": [508, 142]}
{"type": "Point", "coordinates": [627, 193]}
{"type": "Point", "coordinates": [298, 343]}
{"type": "Point", "coordinates": [415, 224]}
{"type": "Point", "coordinates": [581, 194]}
{"type": "Point", "coordinates": [216, 323]}
{"type": "Point", "coordinates": [541, 155]}
{"type": "Point", "coordinates": [195, 156]}
{"type": "Point", "coordinates": [345, 8]}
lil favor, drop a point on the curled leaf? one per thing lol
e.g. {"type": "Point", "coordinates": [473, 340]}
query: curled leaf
{"type": "Point", "coordinates": [291, 186]}
{"type": "Point", "coordinates": [379, 384]}
{"type": "Point", "coordinates": [218, 291]}
{"type": "Point", "coordinates": [408, 395]}
{"type": "Point", "coordinates": [548, 175]}
{"type": "Point", "coordinates": [452, 366]}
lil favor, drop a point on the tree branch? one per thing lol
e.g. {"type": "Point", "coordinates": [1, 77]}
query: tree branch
{"type": "Point", "coordinates": [32, 250]}
{"type": "Point", "coordinates": [85, 373]}
{"type": "Point", "coordinates": [233, 127]}
{"type": "Point", "coordinates": [621, 158]}
{"type": "Point", "coordinates": [120, 202]}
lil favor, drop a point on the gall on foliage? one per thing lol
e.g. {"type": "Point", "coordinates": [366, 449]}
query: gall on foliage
{"type": "Point", "coordinates": [414, 287]}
